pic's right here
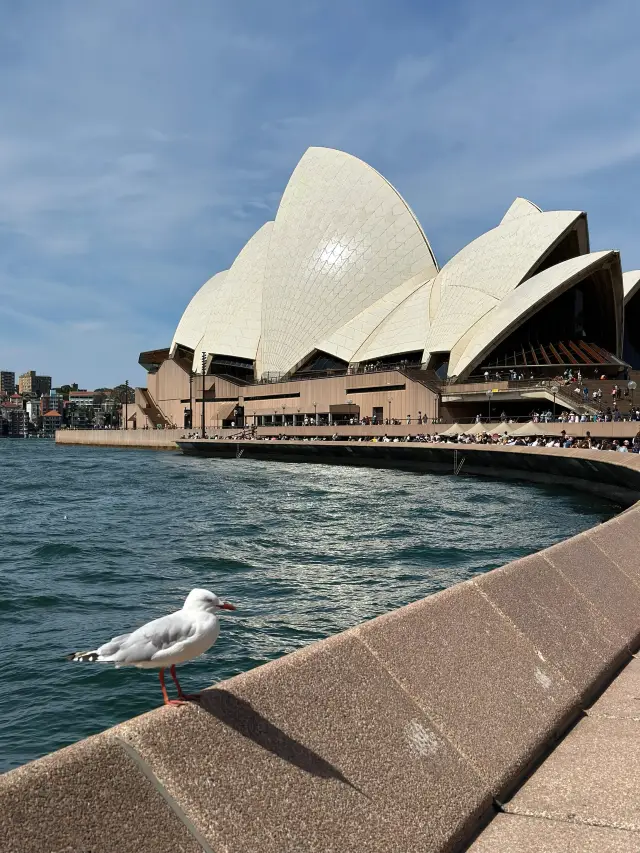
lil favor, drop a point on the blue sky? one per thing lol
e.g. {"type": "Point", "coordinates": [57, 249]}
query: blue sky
{"type": "Point", "coordinates": [142, 143]}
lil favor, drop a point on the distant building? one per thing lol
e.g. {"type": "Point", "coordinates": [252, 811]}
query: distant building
{"type": "Point", "coordinates": [51, 401]}
{"type": "Point", "coordinates": [7, 382]}
{"type": "Point", "coordinates": [80, 409]}
{"type": "Point", "coordinates": [51, 421]}
{"type": "Point", "coordinates": [31, 383]}
{"type": "Point", "coordinates": [82, 398]}
{"type": "Point", "coordinates": [32, 408]}
{"type": "Point", "coordinates": [14, 420]}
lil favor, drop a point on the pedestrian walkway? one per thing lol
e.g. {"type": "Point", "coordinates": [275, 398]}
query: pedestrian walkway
{"type": "Point", "coordinates": [585, 797]}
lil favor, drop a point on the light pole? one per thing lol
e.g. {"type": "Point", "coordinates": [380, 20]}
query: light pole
{"type": "Point", "coordinates": [554, 391]}
{"type": "Point", "coordinates": [389, 401]}
{"type": "Point", "coordinates": [489, 395]}
{"type": "Point", "coordinates": [191, 398]}
{"type": "Point", "coordinates": [126, 404]}
{"type": "Point", "coordinates": [315, 412]}
{"type": "Point", "coordinates": [283, 408]}
{"type": "Point", "coordinates": [632, 385]}
{"type": "Point", "coordinates": [204, 368]}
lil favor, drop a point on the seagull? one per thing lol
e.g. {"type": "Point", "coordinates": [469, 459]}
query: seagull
{"type": "Point", "coordinates": [164, 642]}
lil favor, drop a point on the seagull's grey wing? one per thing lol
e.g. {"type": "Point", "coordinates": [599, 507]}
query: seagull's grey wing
{"type": "Point", "coordinates": [157, 636]}
{"type": "Point", "coordinates": [110, 648]}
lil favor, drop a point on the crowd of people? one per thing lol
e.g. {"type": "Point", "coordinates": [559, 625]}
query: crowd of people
{"type": "Point", "coordinates": [366, 420]}
{"type": "Point", "coordinates": [570, 375]}
{"type": "Point", "coordinates": [563, 440]}
{"type": "Point", "coordinates": [608, 415]}
{"type": "Point", "coordinates": [503, 439]}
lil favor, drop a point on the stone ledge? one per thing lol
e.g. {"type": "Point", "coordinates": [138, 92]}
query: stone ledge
{"type": "Point", "coordinates": [567, 629]}
{"type": "Point", "coordinates": [87, 798]}
{"type": "Point", "coordinates": [319, 751]}
{"type": "Point", "coordinates": [515, 834]}
{"type": "Point", "coordinates": [484, 684]}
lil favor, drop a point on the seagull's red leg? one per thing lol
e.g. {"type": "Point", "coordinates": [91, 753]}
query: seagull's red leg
{"type": "Point", "coordinates": [167, 701]}
{"type": "Point", "coordinates": [181, 695]}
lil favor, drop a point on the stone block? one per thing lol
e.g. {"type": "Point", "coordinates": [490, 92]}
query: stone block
{"type": "Point", "coordinates": [601, 582]}
{"type": "Point", "coordinates": [318, 751]}
{"type": "Point", "coordinates": [568, 631]}
{"type": "Point", "coordinates": [619, 539]}
{"type": "Point", "coordinates": [515, 834]}
{"type": "Point", "coordinates": [592, 777]}
{"type": "Point", "coordinates": [477, 677]}
{"type": "Point", "coordinates": [622, 697]}
{"type": "Point", "coordinates": [88, 798]}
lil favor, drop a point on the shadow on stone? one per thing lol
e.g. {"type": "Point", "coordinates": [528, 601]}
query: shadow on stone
{"type": "Point", "coordinates": [242, 718]}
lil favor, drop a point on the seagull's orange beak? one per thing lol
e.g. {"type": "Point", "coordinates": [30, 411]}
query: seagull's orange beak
{"type": "Point", "coordinates": [226, 606]}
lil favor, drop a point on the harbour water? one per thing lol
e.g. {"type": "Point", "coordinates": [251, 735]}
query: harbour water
{"type": "Point", "coordinates": [94, 542]}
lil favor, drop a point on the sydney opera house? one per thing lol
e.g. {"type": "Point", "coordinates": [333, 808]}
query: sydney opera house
{"type": "Point", "coordinates": [338, 308]}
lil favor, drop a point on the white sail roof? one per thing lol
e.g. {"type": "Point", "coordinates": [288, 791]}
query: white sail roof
{"type": "Point", "coordinates": [196, 315]}
{"type": "Point", "coordinates": [402, 330]}
{"type": "Point", "coordinates": [486, 270]}
{"type": "Point", "coordinates": [519, 305]}
{"type": "Point", "coordinates": [520, 207]}
{"type": "Point", "coordinates": [235, 309]}
{"type": "Point", "coordinates": [630, 284]}
{"type": "Point", "coordinates": [350, 338]}
{"type": "Point", "coordinates": [346, 269]}
{"type": "Point", "coordinates": [343, 238]}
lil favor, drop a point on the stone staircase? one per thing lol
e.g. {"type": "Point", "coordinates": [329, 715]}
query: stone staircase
{"type": "Point", "coordinates": [567, 396]}
{"type": "Point", "coordinates": [428, 378]}
{"type": "Point", "coordinates": [606, 386]}
{"type": "Point", "coordinates": [151, 409]}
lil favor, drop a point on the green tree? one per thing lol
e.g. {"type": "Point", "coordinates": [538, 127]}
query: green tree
{"type": "Point", "coordinates": [122, 392]}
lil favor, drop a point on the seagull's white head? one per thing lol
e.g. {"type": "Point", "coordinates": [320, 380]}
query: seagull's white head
{"type": "Point", "coordinates": [202, 599]}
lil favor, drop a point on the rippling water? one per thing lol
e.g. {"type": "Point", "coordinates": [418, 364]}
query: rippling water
{"type": "Point", "coordinates": [96, 541]}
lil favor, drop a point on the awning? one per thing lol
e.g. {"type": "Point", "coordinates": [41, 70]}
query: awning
{"type": "Point", "coordinates": [454, 429]}
{"type": "Point", "coordinates": [529, 429]}
{"type": "Point", "coordinates": [480, 428]}
{"type": "Point", "coordinates": [152, 359]}
{"type": "Point", "coordinates": [503, 427]}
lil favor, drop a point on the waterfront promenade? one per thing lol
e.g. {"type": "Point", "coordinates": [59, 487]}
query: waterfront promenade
{"type": "Point", "coordinates": [497, 715]}
{"type": "Point", "coordinates": [165, 439]}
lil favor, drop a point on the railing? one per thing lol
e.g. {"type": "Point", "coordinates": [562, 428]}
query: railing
{"type": "Point", "coordinates": [536, 417]}
{"type": "Point", "coordinates": [355, 370]}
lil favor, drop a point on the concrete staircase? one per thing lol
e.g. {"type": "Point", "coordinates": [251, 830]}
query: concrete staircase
{"type": "Point", "coordinates": [567, 396]}
{"type": "Point", "coordinates": [606, 386]}
{"type": "Point", "coordinates": [428, 378]}
{"type": "Point", "coordinates": [151, 409]}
